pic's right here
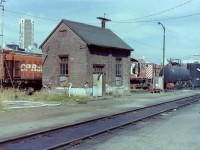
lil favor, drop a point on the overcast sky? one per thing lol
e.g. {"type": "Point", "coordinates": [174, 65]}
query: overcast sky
{"type": "Point", "coordinates": [134, 21]}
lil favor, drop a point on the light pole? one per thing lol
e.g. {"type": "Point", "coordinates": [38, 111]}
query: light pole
{"type": "Point", "coordinates": [163, 51]}
{"type": "Point", "coordinates": [2, 23]}
{"type": "Point", "coordinates": [1, 66]}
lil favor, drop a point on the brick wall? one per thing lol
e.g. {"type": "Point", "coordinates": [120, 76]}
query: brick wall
{"type": "Point", "coordinates": [81, 60]}
{"type": "Point", "coordinates": [70, 45]}
{"type": "Point", "coordinates": [107, 56]}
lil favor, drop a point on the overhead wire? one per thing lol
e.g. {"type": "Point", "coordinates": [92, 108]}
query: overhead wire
{"type": "Point", "coordinates": [44, 18]}
{"type": "Point", "coordinates": [162, 19]}
{"type": "Point", "coordinates": [141, 21]}
{"type": "Point", "coordinates": [124, 21]}
{"type": "Point", "coordinates": [136, 19]}
{"type": "Point", "coordinates": [20, 13]}
{"type": "Point", "coordinates": [155, 14]}
{"type": "Point", "coordinates": [146, 44]}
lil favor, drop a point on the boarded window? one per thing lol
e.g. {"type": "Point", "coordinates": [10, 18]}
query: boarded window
{"type": "Point", "coordinates": [64, 65]}
{"type": "Point", "coordinates": [64, 71]}
{"type": "Point", "coordinates": [63, 33]}
{"type": "Point", "coordinates": [118, 72]}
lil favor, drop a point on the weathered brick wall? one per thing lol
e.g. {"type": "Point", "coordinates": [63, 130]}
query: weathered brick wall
{"type": "Point", "coordinates": [70, 45]}
{"type": "Point", "coordinates": [81, 60]}
{"type": "Point", "coordinates": [108, 57]}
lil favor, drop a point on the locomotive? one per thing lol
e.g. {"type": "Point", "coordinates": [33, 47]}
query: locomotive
{"type": "Point", "coordinates": [21, 69]}
{"type": "Point", "coordinates": [142, 73]}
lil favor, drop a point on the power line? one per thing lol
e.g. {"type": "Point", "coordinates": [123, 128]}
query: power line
{"type": "Point", "coordinates": [125, 21]}
{"type": "Point", "coordinates": [164, 11]}
{"type": "Point", "coordinates": [19, 13]}
{"type": "Point", "coordinates": [59, 20]}
{"type": "Point", "coordinates": [161, 19]}
{"type": "Point", "coordinates": [170, 18]}
{"type": "Point", "coordinates": [146, 44]}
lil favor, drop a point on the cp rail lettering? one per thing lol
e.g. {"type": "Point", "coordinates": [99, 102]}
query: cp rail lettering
{"type": "Point", "coordinates": [31, 67]}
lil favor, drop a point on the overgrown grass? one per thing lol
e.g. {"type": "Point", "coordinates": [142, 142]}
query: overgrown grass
{"type": "Point", "coordinates": [6, 95]}
{"type": "Point", "coordinates": [45, 96]}
{"type": "Point", "coordinates": [1, 105]}
{"type": "Point", "coordinates": [13, 94]}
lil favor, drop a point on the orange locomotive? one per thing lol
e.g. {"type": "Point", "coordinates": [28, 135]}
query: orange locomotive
{"type": "Point", "coordinates": [142, 73]}
{"type": "Point", "coordinates": [21, 69]}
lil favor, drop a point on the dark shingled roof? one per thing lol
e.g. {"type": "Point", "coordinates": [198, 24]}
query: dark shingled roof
{"type": "Point", "coordinates": [98, 36]}
{"type": "Point", "coordinates": [93, 35]}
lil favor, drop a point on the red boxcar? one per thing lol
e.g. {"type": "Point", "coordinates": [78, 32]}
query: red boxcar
{"type": "Point", "coordinates": [21, 69]}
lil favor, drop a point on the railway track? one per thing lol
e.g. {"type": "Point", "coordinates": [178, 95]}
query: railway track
{"type": "Point", "coordinates": [67, 136]}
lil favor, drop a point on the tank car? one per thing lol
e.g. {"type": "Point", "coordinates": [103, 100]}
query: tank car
{"type": "Point", "coordinates": [20, 69]}
{"type": "Point", "coordinates": [172, 74]}
{"type": "Point", "coordinates": [177, 75]}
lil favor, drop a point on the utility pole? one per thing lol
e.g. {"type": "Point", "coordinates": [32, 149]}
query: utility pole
{"type": "Point", "coordinates": [1, 56]}
{"type": "Point", "coordinates": [103, 21]}
{"type": "Point", "coordinates": [163, 52]}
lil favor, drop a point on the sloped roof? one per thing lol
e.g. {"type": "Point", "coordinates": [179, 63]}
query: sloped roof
{"type": "Point", "coordinates": [97, 36]}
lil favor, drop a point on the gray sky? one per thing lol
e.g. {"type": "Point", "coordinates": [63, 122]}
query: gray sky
{"type": "Point", "coordinates": [135, 21]}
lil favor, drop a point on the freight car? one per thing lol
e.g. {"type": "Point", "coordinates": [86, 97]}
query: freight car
{"type": "Point", "coordinates": [176, 75]}
{"type": "Point", "coordinates": [194, 69]}
{"type": "Point", "coordinates": [21, 69]}
{"type": "Point", "coordinates": [142, 73]}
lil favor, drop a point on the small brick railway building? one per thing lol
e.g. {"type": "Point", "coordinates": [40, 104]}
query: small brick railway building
{"type": "Point", "coordinates": [93, 60]}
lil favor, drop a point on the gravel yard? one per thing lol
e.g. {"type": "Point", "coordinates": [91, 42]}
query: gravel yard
{"type": "Point", "coordinates": [20, 117]}
{"type": "Point", "coordinates": [177, 130]}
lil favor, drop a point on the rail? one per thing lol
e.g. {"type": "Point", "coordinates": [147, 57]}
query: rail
{"type": "Point", "coordinates": [67, 136]}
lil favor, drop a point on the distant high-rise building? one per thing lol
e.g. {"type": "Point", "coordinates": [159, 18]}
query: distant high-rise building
{"type": "Point", "coordinates": [26, 33]}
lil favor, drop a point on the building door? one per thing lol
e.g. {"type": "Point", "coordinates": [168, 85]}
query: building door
{"type": "Point", "coordinates": [98, 80]}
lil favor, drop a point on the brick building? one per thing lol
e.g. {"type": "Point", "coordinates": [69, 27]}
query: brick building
{"type": "Point", "coordinates": [93, 60]}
